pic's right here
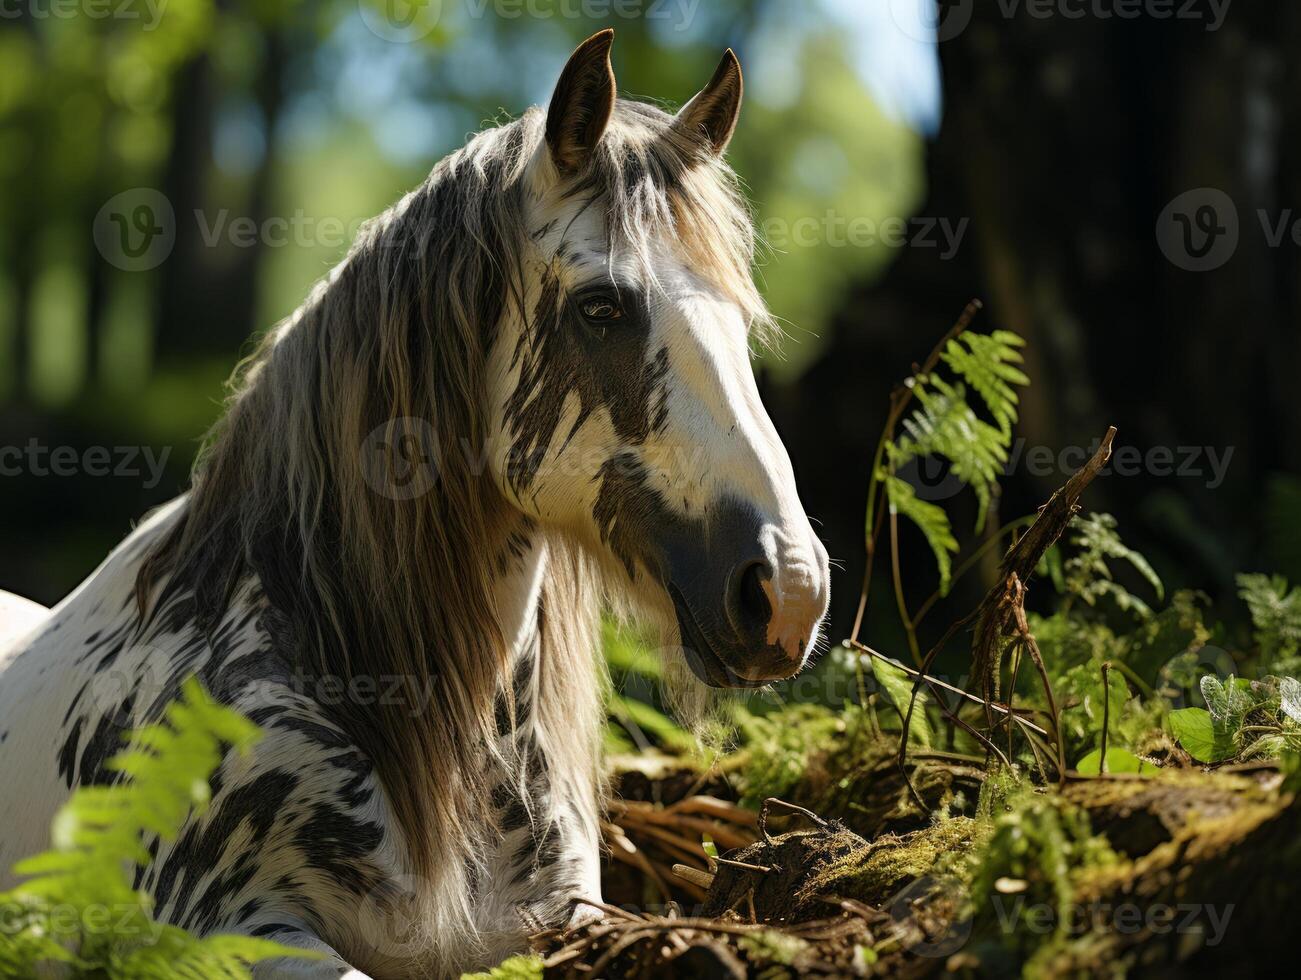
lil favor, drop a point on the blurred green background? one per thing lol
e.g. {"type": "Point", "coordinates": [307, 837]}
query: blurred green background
{"type": "Point", "coordinates": [900, 167]}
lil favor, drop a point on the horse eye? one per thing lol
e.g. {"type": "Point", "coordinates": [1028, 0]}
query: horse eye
{"type": "Point", "coordinates": [601, 309]}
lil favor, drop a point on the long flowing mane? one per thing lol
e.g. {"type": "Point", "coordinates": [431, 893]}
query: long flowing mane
{"type": "Point", "coordinates": [372, 585]}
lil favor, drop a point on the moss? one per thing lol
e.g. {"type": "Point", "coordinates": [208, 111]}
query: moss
{"type": "Point", "coordinates": [891, 861]}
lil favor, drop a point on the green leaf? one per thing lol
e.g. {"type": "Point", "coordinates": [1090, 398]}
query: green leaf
{"type": "Point", "coordinates": [1050, 565]}
{"type": "Point", "coordinates": [1118, 760]}
{"type": "Point", "coordinates": [100, 834]}
{"type": "Point", "coordinates": [1200, 736]}
{"type": "Point", "coordinates": [633, 713]}
{"type": "Point", "coordinates": [945, 425]}
{"type": "Point", "coordinates": [515, 968]}
{"type": "Point", "coordinates": [931, 520]}
{"type": "Point", "coordinates": [1289, 689]}
{"type": "Point", "coordinates": [1088, 573]}
{"type": "Point", "coordinates": [898, 688]}
{"type": "Point", "coordinates": [1276, 618]}
{"type": "Point", "coordinates": [988, 363]}
{"type": "Point", "coordinates": [709, 847]}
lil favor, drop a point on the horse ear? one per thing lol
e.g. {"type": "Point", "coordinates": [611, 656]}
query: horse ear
{"type": "Point", "coordinates": [713, 112]}
{"type": "Point", "coordinates": [581, 103]}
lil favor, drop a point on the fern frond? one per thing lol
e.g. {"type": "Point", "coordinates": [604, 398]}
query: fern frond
{"type": "Point", "coordinates": [988, 363]}
{"type": "Point", "coordinates": [945, 425]}
{"type": "Point", "coordinates": [1275, 617]}
{"type": "Point", "coordinates": [930, 519]}
{"type": "Point", "coordinates": [99, 834]}
{"type": "Point", "coordinates": [1088, 574]}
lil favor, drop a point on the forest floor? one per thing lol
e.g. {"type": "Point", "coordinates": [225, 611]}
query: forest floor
{"type": "Point", "coordinates": [1170, 872]}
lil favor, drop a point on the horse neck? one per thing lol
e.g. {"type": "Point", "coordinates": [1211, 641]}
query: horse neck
{"type": "Point", "coordinates": [518, 593]}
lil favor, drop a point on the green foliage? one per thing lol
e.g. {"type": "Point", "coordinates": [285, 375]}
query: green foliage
{"type": "Point", "coordinates": [1200, 735]}
{"type": "Point", "coordinates": [931, 520]}
{"type": "Point", "coordinates": [946, 426]}
{"type": "Point", "coordinates": [1242, 719]}
{"type": "Point", "coordinates": [988, 363]}
{"type": "Point", "coordinates": [782, 748]}
{"type": "Point", "coordinates": [1118, 760]}
{"type": "Point", "coordinates": [1082, 699]}
{"type": "Point", "coordinates": [771, 946]}
{"type": "Point", "coordinates": [1276, 620]}
{"type": "Point", "coordinates": [1038, 847]}
{"type": "Point", "coordinates": [633, 721]}
{"type": "Point", "coordinates": [1088, 574]}
{"type": "Point", "coordinates": [79, 908]}
{"type": "Point", "coordinates": [898, 687]}
{"type": "Point", "coordinates": [515, 968]}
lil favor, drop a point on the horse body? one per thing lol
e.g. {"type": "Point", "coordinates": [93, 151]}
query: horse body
{"type": "Point", "coordinates": [299, 843]}
{"type": "Point", "coordinates": [524, 396]}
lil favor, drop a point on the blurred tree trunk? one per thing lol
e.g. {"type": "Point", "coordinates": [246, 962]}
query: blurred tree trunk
{"type": "Point", "coordinates": [208, 292]}
{"type": "Point", "coordinates": [1063, 140]}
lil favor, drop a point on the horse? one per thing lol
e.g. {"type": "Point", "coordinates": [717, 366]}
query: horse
{"type": "Point", "coordinates": [522, 401]}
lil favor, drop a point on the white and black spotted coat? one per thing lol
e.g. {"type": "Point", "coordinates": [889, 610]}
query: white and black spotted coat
{"type": "Point", "coordinates": [298, 843]}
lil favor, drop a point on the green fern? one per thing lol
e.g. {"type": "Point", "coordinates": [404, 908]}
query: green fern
{"type": "Point", "coordinates": [988, 363]}
{"type": "Point", "coordinates": [932, 521]}
{"type": "Point", "coordinates": [1276, 618]}
{"type": "Point", "coordinates": [1088, 574]}
{"type": "Point", "coordinates": [945, 425]}
{"type": "Point", "coordinates": [79, 907]}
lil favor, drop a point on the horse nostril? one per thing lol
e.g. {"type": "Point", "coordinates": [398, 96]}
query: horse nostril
{"type": "Point", "coordinates": [753, 610]}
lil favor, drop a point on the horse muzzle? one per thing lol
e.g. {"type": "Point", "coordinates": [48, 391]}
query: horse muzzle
{"type": "Point", "coordinates": [749, 595]}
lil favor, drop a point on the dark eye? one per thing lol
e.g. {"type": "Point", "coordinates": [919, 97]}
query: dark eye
{"type": "Point", "coordinates": [600, 309]}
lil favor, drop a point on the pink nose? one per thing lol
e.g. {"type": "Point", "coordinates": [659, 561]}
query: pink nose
{"type": "Point", "coordinates": [796, 614]}
{"type": "Point", "coordinates": [779, 618]}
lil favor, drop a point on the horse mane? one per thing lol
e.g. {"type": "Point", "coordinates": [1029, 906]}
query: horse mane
{"type": "Point", "coordinates": [400, 330]}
